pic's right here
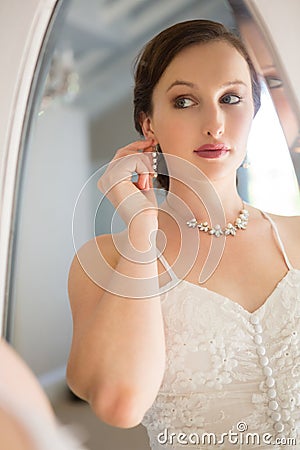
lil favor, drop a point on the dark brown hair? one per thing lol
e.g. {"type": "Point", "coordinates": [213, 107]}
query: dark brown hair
{"type": "Point", "coordinates": [160, 51]}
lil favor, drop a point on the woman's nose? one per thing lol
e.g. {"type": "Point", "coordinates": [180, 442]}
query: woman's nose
{"type": "Point", "coordinates": [214, 124]}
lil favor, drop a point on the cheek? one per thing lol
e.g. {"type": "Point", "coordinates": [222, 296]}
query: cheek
{"type": "Point", "coordinates": [169, 128]}
{"type": "Point", "coordinates": [241, 124]}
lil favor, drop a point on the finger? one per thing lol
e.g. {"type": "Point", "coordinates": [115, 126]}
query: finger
{"type": "Point", "coordinates": [131, 163]}
{"type": "Point", "coordinates": [134, 147]}
{"type": "Point", "coordinates": [150, 148]}
{"type": "Point", "coordinates": [142, 181]}
{"type": "Point", "coordinates": [150, 151]}
{"type": "Point", "coordinates": [150, 192]}
{"type": "Point", "coordinates": [143, 164]}
{"type": "Point", "coordinates": [148, 183]}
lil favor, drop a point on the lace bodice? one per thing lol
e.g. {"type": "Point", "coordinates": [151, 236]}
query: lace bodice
{"type": "Point", "coordinates": [228, 369]}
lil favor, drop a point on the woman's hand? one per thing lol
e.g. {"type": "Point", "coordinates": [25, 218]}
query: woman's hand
{"type": "Point", "coordinates": [131, 198]}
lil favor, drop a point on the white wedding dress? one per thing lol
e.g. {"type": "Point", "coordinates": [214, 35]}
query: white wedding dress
{"type": "Point", "coordinates": [228, 369]}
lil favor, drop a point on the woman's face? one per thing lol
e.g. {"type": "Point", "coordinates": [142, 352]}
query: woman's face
{"type": "Point", "coordinates": [204, 97]}
{"type": "Point", "coordinates": [264, 62]}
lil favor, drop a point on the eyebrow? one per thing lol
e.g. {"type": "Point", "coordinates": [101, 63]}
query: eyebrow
{"type": "Point", "coordinates": [232, 83]}
{"type": "Point", "coordinates": [181, 83]}
{"type": "Point", "coordinates": [192, 85]}
{"type": "Point", "coordinates": [270, 66]}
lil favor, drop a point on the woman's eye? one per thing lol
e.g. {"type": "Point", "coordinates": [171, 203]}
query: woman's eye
{"type": "Point", "coordinates": [231, 99]}
{"type": "Point", "coordinates": [183, 102]}
{"type": "Point", "coordinates": [273, 82]}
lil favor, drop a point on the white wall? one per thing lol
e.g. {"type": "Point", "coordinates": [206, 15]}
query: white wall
{"type": "Point", "coordinates": [56, 166]}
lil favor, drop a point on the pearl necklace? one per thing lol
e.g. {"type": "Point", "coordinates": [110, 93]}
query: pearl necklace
{"type": "Point", "coordinates": [230, 230]}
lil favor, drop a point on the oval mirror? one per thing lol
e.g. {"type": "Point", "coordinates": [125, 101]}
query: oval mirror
{"type": "Point", "coordinates": [79, 111]}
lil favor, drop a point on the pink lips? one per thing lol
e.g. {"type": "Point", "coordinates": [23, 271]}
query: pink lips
{"type": "Point", "coordinates": [211, 150]}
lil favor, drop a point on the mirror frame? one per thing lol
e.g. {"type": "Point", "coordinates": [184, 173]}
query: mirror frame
{"type": "Point", "coordinates": [27, 26]}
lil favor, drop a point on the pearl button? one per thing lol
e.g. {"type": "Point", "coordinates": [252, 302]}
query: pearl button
{"type": "Point", "coordinates": [270, 382]}
{"type": "Point", "coordinates": [271, 393]}
{"type": "Point", "coordinates": [273, 405]}
{"type": "Point", "coordinates": [279, 426]}
{"type": "Point", "coordinates": [264, 360]}
{"type": "Point", "coordinates": [258, 328]}
{"type": "Point", "coordinates": [261, 350]}
{"type": "Point", "coordinates": [254, 320]}
{"type": "Point", "coordinates": [276, 416]}
{"type": "Point", "coordinates": [258, 339]}
{"type": "Point", "coordinates": [268, 371]}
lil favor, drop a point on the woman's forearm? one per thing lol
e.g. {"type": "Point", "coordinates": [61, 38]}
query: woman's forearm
{"type": "Point", "coordinates": [120, 356]}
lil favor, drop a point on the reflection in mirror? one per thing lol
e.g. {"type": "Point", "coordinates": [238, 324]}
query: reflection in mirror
{"type": "Point", "coordinates": [84, 117]}
{"type": "Point", "coordinates": [266, 65]}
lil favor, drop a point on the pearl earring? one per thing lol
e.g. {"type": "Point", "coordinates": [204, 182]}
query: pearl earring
{"type": "Point", "coordinates": [154, 160]}
{"type": "Point", "coordinates": [246, 163]}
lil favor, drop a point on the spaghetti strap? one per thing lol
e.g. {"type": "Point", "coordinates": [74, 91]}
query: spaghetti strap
{"type": "Point", "coordinates": [167, 266]}
{"type": "Point", "coordinates": [274, 226]}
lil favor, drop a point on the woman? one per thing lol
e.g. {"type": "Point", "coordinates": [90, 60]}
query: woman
{"type": "Point", "coordinates": [150, 343]}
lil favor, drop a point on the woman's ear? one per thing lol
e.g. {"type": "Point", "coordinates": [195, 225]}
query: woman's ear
{"type": "Point", "coordinates": [146, 125]}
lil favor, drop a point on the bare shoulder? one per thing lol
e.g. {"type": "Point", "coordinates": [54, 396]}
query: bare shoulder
{"type": "Point", "coordinates": [289, 231]}
{"type": "Point", "coordinates": [290, 223]}
{"type": "Point", "coordinates": [91, 267]}
{"type": "Point", "coordinates": [100, 249]}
